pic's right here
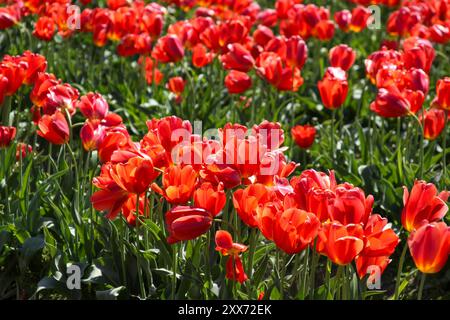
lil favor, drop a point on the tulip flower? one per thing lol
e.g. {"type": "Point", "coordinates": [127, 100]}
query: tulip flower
{"type": "Point", "coordinates": [187, 223]}
{"type": "Point", "coordinates": [178, 184]}
{"type": "Point", "coordinates": [350, 206]}
{"type": "Point", "coordinates": [168, 49]}
{"type": "Point", "coordinates": [433, 123]}
{"type": "Point", "coordinates": [291, 229]}
{"type": "Point", "coordinates": [210, 198]}
{"type": "Point", "coordinates": [296, 52]}
{"type": "Point", "coordinates": [45, 28]}
{"type": "Point", "coordinates": [247, 200]}
{"type": "Point", "coordinates": [135, 175]}
{"type": "Point", "coordinates": [360, 18]}
{"type": "Point", "coordinates": [369, 265]}
{"type": "Point", "coordinates": [237, 82]}
{"type": "Point", "coordinates": [381, 240]}
{"type": "Point", "coordinates": [442, 99]}
{"type": "Point", "coordinates": [22, 150]}
{"type": "Point", "coordinates": [237, 58]}
{"type": "Point", "coordinates": [226, 246]}
{"type": "Point", "coordinates": [54, 128]}
{"type": "Point", "coordinates": [93, 106]}
{"type": "Point", "coordinates": [262, 35]}
{"type": "Point", "coordinates": [423, 203]}
{"type": "Point", "coordinates": [391, 102]}
{"type": "Point", "coordinates": [200, 56]}
{"type": "Point", "coordinates": [176, 85]}
{"type": "Point", "coordinates": [304, 135]}
{"type": "Point", "coordinates": [333, 88]}
{"type": "Point", "coordinates": [429, 245]}
{"type": "Point", "coordinates": [35, 65]}
{"type": "Point", "coordinates": [342, 56]}
{"type": "Point", "coordinates": [341, 243]}
{"type": "Point", "coordinates": [343, 19]}
{"type": "Point", "coordinates": [7, 134]}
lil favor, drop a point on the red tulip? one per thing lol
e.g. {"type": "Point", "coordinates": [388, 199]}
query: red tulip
{"type": "Point", "coordinates": [365, 264]}
{"type": "Point", "coordinates": [8, 17]}
{"type": "Point", "coordinates": [296, 52]}
{"type": "Point", "coordinates": [324, 30]}
{"type": "Point", "coordinates": [350, 206]}
{"type": "Point", "coordinates": [333, 88]}
{"type": "Point", "coordinates": [340, 243]}
{"type": "Point", "coordinates": [343, 19]}
{"type": "Point", "coordinates": [237, 58]}
{"type": "Point", "coordinates": [391, 103]}
{"type": "Point", "coordinates": [176, 85]}
{"type": "Point", "coordinates": [168, 49]}
{"type": "Point", "coordinates": [291, 229]}
{"type": "Point", "coordinates": [381, 240]}
{"type": "Point", "coordinates": [442, 99]}
{"type": "Point", "coordinates": [342, 56]}
{"type": "Point", "coordinates": [134, 176]}
{"type": "Point", "coordinates": [262, 35]}
{"type": "Point", "coordinates": [423, 203]}
{"type": "Point", "coordinates": [235, 270]}
{"type": "Point", "coordinates": [35, 65]}
{"type": "Point", "coordinates": [226, 246]}
{"type": "Point", "coordinates": [247, 200]}
{"type": "Point", "coordinates": [45, 28]}
{"type": "Point", "coordinates": [237, 82]}
{"type": "Point", "coordinates": [210, 198]}
{"type": "Point", "coordinates": [7, 134]}
{"type": "Point", "coordinates": [93, 106]}
{"type": "Point", "coordinates": [429, 246]}
{"type": "Point", "coordinates": [418, 53]}
{"type": "Point", "coordinates": [434, 123]}
{"type": "Point", "coordinates": [200, 56]}
{"type": "Point", "coordinates": [187, 223]}
{"type": "Point", "coordinates": [54, 128]}
{"type": "Point", "coordinates": [129, 208]}
{"type": "Point", "coordinates": [23, 150]}
{"type": "Point", "coordinates": [304, 135]}
{"type": "Point", "coordinates": [360, 18]}
{"type": "Point", "coordinates": [178, 184]}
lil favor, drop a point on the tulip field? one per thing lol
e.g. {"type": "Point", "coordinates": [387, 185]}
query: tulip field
{"type": "Point", "coordinates": [224, 149]}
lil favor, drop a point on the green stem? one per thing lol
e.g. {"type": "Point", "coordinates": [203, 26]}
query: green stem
{"type": "Point", "coordinates": [327, 277]}
{"type": "Point", "coordinates": [399, 271]}
{"type": "Point", "coordinates": [138, 255]}
{"type": "Point", "coordinates": [422, 283]}
{"type": "Point", "coordinates": [174, 270]}
{"type": "Point", "coordinates": [251, 253]}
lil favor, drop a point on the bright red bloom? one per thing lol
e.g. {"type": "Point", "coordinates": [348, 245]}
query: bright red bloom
{"type": "Point", "coordinates": [42, 84]}
{"type": "Point", "coordinates": [296, 52]}
{"type": "Point", "coordinates": [187, 223]}
{"type": "Point", "coordinates": [9, 16]}
{"type": "Point", "coordinates": [226, 246]}
{"type": "Point", "coordinates": [93, 106]}
{"type": "Point", "coordinates": [342, 56]}
{"type": "Point", "coordinates": [134, 176]}
{"type": "Point", "coordinates": [291, 229]}
{"type": "Point", "coordinates": [391, 103]}
{"type": "Point", "coordinates": [418, 53]}
{"type": "Point", "coordinates": [168, 49]}
{"type": "Point", "coordinates": [333, 88]}
{"type": "Point", "coordinates": [237, 58]}
{"type": "Point", "coordinates": [45, 28]}
{"type": "Point", "coordinates": [35, 65]}
{"type": "Point", "coordinates": [442, 99]}
{"type": "Point", "coordinates": [237, 82]}
{"type": "Point", "coordinates": [176, 85]}
{"type": "Point", "coordinates": [13, 69]}
{"type": "Point", "coordinates": [434, 123]}
{"type": "Point", "coordinates": [423, 203]}
{"type": "Point", "coordinates": [429, 246]}
{"type": "Point", "coordinates": [365, 264]}
{"type": "Point", "coordinates": [343, 19]}
{"type": "Point", "coordinates": [360, 18]}
{"type": "Point", "coordinates": [178, 184]}
{"type": "Point", "coordinates": [210, 198]}
{"type": "Point", "coordinates": [54, 128]}
{"type": "Point", "coordinates": [380, 239]}
{"type": "Point", "coordinates": [152, 73]}
{"type": "Point", "coordinates": [129, 208]}
{"type": "Point", "coordinates": [324, 30]}
{"type": "Point", "coordinates": [247, 200]}
{"type": "Point", "coordinates": [440, 33]}
{"type": "Point", "coordinates": [340, 243]}
{"type": "Point", "coordinates": [262, 35]}
{"type": "Point", "coordinates": [303, 135]}
{"type": "Point", "coordinates": [200, 56]}
{"type": "Point", "coordinates": [7, 134]}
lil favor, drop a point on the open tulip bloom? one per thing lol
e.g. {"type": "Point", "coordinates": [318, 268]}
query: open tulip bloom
{"type": "Point", "coordinates": [216, 150]}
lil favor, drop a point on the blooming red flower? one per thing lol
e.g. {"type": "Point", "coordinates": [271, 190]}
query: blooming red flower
{"type": "Point", "coordinates": [296, 52]}
{"type": "Point", "coordinates": [200, 56]}
{"type": "Point", "coordinates": [303, 135]}
{"type": "Point", "coordinates": [45, 28]}
{"type": "Point", "coordinates": [366, 265]}
{"type": "Point", "coordinates": [226, 246]}
{"type": "Point", "coordinates": [210, 198]}
{"type": "Point", "coordinates": [333, 88]}
{"type": "Point", "coordinates": [7, 134]}
{"type": "Point", "coordinates": [178, 184]}
{"type": "Point", "coordinates": [360, 18]}
{"type": "Point", "coordinates": [54, 128]}
{"type": "Point", "coordinates": [134, 176]}
{"type": "Point", "coordinates": [391, 103]}
{"type": "Point", "coordinates": [291, 229]}
{"type": "Point", "coordinates": [343, 19]}
{"type": "Point", "coordinates": [176, 85]}
{"type": "Point", "coordinates": [429, 246]}
{"type": "Point", "coordinates": [237, 58]}
{"type": "Point", "coordinates": [187, 223]}
{"type": "Point", "coordinates": [247, 200]}
{"type": "Point", "coordinates": [35, 65]}
{"type": "Point", "coordinates": [433, 123]}
{"type": "Point", "coordinates": [442, 99]}
{"type": "Point", "coordinates": [342, 56]}
{"type": "Point", "coordinates": [341, 243]}
{"type": "Point", "coordinates": [423, 203]}
{"type": "Point", "coordinates": [168, 49]}
{"type": "Point", "coordinates": [237, 82]}
{"type": "Point", "coordinates": [380, 239]}
{"type": "Point", "coordinates": [93, 106]}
